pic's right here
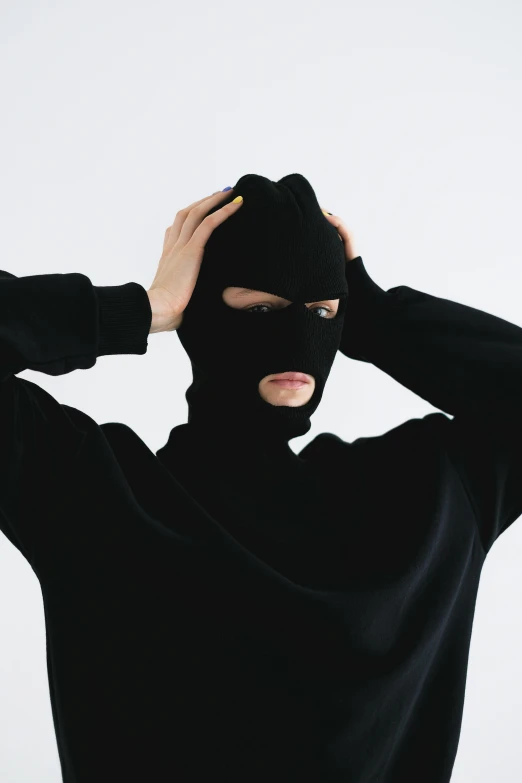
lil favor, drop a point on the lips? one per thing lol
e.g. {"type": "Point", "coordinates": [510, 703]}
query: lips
{"type": "Point", "coordinates": [291, 376]}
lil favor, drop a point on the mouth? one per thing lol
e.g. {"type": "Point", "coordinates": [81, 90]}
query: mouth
{"type": "Point", "coordinates": [290, 380]}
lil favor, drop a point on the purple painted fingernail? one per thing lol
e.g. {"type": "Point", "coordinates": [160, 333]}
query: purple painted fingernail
{"type": "Point", "coordinates": [227, 188]}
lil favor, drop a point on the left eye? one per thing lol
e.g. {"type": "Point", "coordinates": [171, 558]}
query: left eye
{"type": "Point", "coordinates": [268, 308]}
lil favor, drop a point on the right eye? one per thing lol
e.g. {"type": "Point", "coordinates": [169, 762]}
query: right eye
{"type": "Point", "coordinates": [253, 307]}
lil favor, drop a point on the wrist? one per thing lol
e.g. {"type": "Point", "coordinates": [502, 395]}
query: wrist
{"type": "Point", "coordinates": [163, 318]}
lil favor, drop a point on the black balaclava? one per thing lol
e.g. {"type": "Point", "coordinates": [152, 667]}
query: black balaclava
{"type": "Point", "coordinates": [278, 242]}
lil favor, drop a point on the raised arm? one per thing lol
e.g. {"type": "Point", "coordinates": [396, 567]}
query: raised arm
{"type": "Point", "coordinates": [54, 324]}
{"type": "Point", "coordinates": [463, 361]}
{"type": "Point", "coordinates": [57, 323]}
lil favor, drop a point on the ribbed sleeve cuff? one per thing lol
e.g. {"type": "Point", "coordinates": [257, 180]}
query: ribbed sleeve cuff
{"type": "Point", "coordinates": [124, 319]}
{"type": "Point", "coordinates": [367, 304]}
{"type": "Point", "coordinates": [361, 287]}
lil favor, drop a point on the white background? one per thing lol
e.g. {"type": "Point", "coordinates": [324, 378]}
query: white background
{"type": "Point", "coordinates": [405, 117]}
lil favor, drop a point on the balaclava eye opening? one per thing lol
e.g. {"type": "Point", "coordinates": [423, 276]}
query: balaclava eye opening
{"type": "Point", "coordinates": [278, 242]}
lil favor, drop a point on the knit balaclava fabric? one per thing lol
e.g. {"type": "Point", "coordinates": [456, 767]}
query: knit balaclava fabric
{"type": "Point", "coordinates": [278, 242]}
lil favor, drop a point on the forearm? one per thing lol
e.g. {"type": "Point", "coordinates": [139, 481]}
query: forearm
{"type": "Point", "coordinates": [458, 358]}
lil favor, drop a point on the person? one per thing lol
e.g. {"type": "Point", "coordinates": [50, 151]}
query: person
{"type": "Point", "coordinates": [225, 607]}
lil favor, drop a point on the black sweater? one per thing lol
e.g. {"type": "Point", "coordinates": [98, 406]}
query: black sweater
{"type": "Point", "coordinates": [221, 613]}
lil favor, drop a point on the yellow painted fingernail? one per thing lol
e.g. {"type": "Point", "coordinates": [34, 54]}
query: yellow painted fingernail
{"type": "Point", "coordinates": [324, 212]}
{"type": "Point", "coordinates": [237, 199]}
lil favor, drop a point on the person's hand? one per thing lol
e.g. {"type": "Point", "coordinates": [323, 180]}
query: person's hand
{"type": "Point", "coordinates": [179, 265]}
{"type": "Point", "coordinates": [345, 235]}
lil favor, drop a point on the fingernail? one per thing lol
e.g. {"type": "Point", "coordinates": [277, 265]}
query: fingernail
{"type": "Point", "coordinates": [237, 199]}
{"type": "Point", "coordinates": [227, 188]}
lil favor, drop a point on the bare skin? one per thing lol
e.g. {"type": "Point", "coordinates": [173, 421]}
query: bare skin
{"type": "Point", "coordinates": [270, 391]}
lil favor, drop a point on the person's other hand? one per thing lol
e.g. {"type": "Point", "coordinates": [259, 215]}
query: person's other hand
{"type": "Point", "coordinates": [345, 235]}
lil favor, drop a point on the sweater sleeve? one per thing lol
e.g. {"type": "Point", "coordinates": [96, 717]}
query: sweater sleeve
{"type": "Point", "coordinates": [465, 362]}
{"type": "Point", "coordinates": [54, 324]}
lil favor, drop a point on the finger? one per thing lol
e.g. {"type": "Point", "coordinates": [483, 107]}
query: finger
{"type": "Point", "coordinates": [182, 215]}
{"type": "Point", "coordinates": [206, 198]}
{"type": "Point", "coordinates": [346, 237]}
{"type": "Point", "coordinates": [166, 238]}
{"type": "Point", "coordinates": [342, 231]}
{"type": "Point", "coordinates": [201, 234]}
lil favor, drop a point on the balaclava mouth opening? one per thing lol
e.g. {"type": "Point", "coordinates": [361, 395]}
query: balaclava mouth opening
{"type": "Point", "coordinates": [278, 242]}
